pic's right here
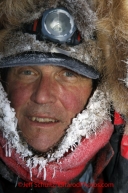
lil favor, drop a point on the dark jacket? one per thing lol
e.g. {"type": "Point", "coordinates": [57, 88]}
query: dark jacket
{"type": "Point", "coordinates": [116, 171]}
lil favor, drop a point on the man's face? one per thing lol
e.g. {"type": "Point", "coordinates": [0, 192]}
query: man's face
{"type": "Point", "coordinates": [46, 98]}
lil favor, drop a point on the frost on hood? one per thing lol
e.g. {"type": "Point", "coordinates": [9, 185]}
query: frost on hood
{"type": "Point", "coordinates": [125, 80]}
{"type": "Point", "coordinates": [84, 125]}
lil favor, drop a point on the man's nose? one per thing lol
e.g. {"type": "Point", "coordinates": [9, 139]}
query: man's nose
{"type": "Point", "coordinates": [45, 91]}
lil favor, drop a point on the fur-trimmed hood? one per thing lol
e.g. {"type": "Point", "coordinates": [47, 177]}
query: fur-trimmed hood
{"type": "Point", "coordinates": [15, 13]}
{"type": "Point", "coordinates": [88, 123]}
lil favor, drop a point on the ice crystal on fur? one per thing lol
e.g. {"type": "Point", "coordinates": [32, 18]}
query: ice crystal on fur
{"type": "Point", "coordinates": [125, 80]}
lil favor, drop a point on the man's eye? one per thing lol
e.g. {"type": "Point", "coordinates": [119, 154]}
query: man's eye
{"type": "Point", "coordinates": [69, 74]}
{"type": "Point", "coordinates": [27, 72]}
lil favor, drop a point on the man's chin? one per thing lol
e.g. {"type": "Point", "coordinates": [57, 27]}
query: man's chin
{"type": "Point", "coordinates": [39, 150]}
{"type": "Point", "coordinates": [44, 152]}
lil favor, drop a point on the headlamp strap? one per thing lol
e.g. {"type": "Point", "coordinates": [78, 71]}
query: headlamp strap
{"type": "Point", "coordinates": [35, 24]}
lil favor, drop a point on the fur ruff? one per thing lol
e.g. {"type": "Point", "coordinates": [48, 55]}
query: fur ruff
{"type": "Point", "coordinates": [15, 13]}
{"type": "Point", "coordinates": [112, 25]}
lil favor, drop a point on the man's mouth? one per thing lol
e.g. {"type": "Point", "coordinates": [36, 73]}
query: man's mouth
{"type": "Point", "coordinates": [43, 120]}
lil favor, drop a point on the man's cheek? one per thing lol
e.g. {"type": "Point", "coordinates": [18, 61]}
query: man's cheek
{"type": "Point", "coordinates": [76, 100]}
{"type": "Point", "coordinates": [18, 97]}
{"type": "Point", "coordinates": [73, 103]}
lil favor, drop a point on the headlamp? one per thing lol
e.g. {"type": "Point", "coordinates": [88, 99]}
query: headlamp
{"type": "Point", "coordinates": [56, 25]}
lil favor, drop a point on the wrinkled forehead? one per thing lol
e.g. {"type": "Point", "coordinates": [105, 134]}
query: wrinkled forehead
{"type": "Point", "coordinates": [38, 59]}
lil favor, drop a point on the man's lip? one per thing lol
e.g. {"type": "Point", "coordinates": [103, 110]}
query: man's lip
{"type": "Point", "coordinates": [40, 119]}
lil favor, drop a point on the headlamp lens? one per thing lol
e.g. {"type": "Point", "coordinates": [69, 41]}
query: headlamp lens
{"type": "Point", "coordinates": [57, 25]}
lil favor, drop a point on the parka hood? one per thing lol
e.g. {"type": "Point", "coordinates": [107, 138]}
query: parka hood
{"type": "Point", "coordinates": [86, 124]}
